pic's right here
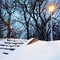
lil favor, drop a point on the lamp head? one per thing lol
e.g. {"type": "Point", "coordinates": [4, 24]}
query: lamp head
{"type": "Point", "coordinates": [52, 8]}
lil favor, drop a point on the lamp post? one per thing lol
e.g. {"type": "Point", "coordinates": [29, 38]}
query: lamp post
{"type": "Point", "coordinates": [51, 9]}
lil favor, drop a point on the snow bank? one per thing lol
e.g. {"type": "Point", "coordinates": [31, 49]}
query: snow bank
{"type": "Point", "coordinates": [7, 46]}
{"type": "Point", "coordinates": [39, 50]}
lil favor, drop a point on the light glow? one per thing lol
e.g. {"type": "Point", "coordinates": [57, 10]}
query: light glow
{"type": "Point", "coordinates": [52, 8]}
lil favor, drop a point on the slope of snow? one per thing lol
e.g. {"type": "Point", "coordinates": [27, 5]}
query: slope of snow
{"type": "Point", "coordinates": [7, 46]}
{"type": "Point", "coordinates": [39, 50]}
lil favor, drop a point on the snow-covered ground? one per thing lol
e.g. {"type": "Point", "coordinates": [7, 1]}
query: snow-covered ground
{"type": "Point", "coordinates": [7, 46]}
{"type": "Point", "coordinates": [39, 50]}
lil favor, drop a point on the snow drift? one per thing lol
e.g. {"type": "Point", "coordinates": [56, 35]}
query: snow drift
{"type": "Point", "coordinates": [39, 50]}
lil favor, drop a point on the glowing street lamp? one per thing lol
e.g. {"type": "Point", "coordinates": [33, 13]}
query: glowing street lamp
{"type": "Point", "coordinates": [51, 9]}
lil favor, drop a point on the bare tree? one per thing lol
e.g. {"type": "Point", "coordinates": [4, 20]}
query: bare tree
{"type": "Point", "coordinates": [8, 7]}
{"type": "Point", "coordinates": [34, 17]}
{"type": "Point", "coordinates": [38, 12]}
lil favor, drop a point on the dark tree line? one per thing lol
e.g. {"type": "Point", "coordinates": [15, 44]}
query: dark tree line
{"type": "Point", "coordinates": [34, 19]}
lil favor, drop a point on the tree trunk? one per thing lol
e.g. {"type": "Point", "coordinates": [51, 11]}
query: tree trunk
{"type": "Point", "coordinates": [9, 30]}
{"type": "Point", "coordinates": [0, 20]}
{"type": "Point", "coordinates": [27, 30]}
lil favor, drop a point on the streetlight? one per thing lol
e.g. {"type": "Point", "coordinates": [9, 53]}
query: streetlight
{"type": "Point", "coordinates": [51, 9]}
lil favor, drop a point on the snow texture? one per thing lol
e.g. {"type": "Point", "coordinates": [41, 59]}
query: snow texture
{"type": "Point", "coordinates": [39, 50]}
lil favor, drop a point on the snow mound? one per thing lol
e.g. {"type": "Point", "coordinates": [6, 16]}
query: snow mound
{"type": "Point", "coordinates": [7, 46]}
{"type": "Point", "coordinates": [39, 50]}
